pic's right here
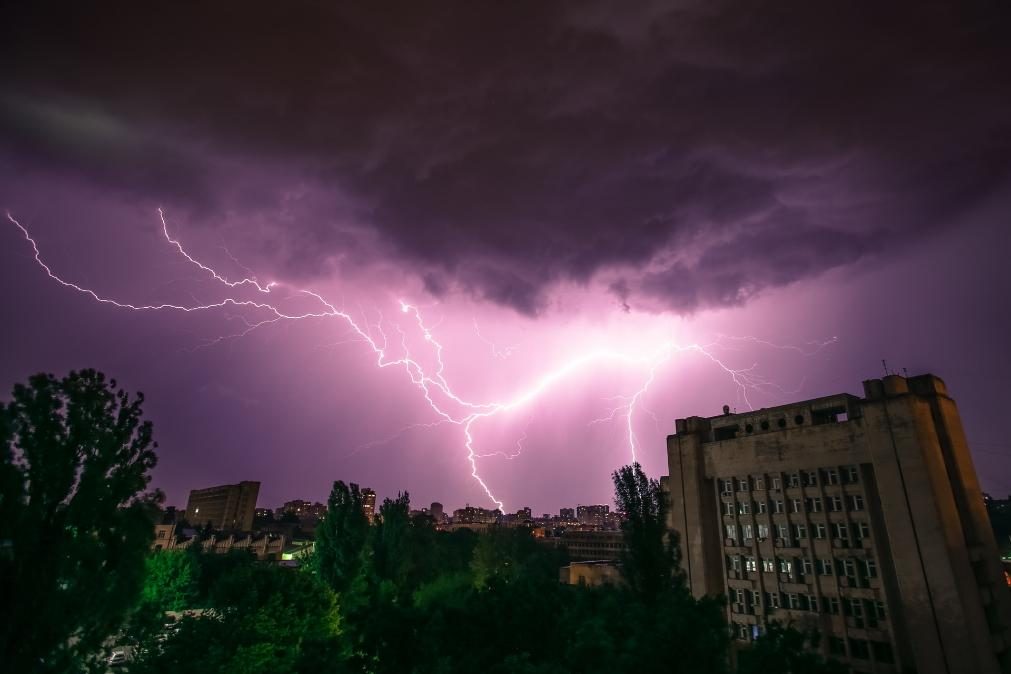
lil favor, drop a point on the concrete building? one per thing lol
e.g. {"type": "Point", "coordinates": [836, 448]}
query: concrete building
{"type": "Point", "coordinates": [369, 503]}
{"type": "Point", "coordinates": [226, 507]}
{"type": "Point", "coordinates": [593, 514]}
{"type": "Point", "coordinates": [591, 573]}
{"type": "Point", "coordinates": [593, 545]}
{"type": "Point", "coordinates": [859, 517]}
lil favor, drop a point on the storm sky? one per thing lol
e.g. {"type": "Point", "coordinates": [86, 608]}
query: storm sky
{"type": "Point", "coordinates": [802, 189]}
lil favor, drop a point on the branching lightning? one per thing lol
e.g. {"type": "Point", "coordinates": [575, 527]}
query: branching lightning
{"type": "Point", "coordinates": [448, 406]}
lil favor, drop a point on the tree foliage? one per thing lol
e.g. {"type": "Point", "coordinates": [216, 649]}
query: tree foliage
{"type": "Point", "coordinates": [75, 516]}
{"type": "Point", "coordinates": [650, 562]}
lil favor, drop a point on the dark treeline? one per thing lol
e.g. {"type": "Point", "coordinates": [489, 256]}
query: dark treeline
{"type": "Point", "coordinates": [395, 595]}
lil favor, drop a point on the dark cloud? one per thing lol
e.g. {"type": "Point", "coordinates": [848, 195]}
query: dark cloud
{"type": "Point", "coordinates": [693, 153]}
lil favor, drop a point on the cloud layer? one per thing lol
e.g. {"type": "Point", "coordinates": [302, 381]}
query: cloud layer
{"type": "Point", "coordinates": [686, 156]}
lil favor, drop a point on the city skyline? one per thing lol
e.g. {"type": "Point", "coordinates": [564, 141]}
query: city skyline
{"type": "Point", "coordinates": [528, 247]}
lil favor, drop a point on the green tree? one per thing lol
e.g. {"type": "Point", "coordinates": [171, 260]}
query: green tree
{"type": "Point", "coordinates": [341, 537]}
{"type": "Point", "coordinates": [650, 562]}
{"type": "Point", "coordinates": [171, 580]}
{"type": "Point", "coordinates": [75, 517]}
{"type": "Point", "coordinates": [786, 650]}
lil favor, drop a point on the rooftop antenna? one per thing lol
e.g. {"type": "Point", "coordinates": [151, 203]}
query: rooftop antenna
{"type": "Point", "coordinates": [885, 366]}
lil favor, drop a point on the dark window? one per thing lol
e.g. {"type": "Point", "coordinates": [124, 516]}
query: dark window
{"type": "Point", "coordinates": [882, 651]}
{"type": "Point", "coordinates": [765, 425]}
{"type": "Point", "coordinates": [799, 419]}
{"type": "Point", "coordinates": [748, 428]}
{"type": "Point", "coordinates": [781, 423]}
{"type": "Point", "coordinates": [860, 649]}
{"type": "Point", "coordinates": [725, 433]}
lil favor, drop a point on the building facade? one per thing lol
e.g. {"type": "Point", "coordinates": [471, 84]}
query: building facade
{"type": "Point", "coordinates": [861, 518]}
{"type": "Point", "coordinates": [226, 507]}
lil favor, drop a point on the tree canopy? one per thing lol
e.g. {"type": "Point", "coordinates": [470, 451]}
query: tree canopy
{"type": "Point", "coordinates": [75, 516]}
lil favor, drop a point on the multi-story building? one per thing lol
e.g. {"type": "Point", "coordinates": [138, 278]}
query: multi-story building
{"type": "Point", "coordinates": [860, 518]}
{"type": "Point", "coordinates": [593, 545]}
{"type": "Point", "coordinates": [226, 507]}
{"type": "Point", "coordinates": [567, 514]}
{"type": "Point", "coordinates": [369, 503]}
{"type": "Point", "coordinates": [592, 514]}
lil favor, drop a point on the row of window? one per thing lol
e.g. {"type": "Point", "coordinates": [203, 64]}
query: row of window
{"type": "Point", "coordinates": [849, 567]}
{"type": "Point", "coordinates": [860, 613]}
{"type": "Point", "coordinates": [788, 534]}
{"type": "Point", "coordinates": [862, 649]}
{"type": "Point", "coordinates": [815, 504]}
{"type": "Point", "coordinates": [806, 478]}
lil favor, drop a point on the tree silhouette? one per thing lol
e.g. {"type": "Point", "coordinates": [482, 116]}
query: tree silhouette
{"type": "Point", "coordinates": [650, 562]}
{"type": "Point", "coordinates": [75, 517]}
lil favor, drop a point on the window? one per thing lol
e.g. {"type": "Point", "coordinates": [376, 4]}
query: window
{"type": "Point", "coordinates": [849, 567]}
{"type": "Point", "coordinates": [831, 476]}
{"type": "Point", "coordinates": [832, 605]}
{"type": "Point", "coordinates": [761, 507]}
{"type": "Point", "coordinates": [763, 531]}
{"type": "Point", "coordinates": [731, 531]}
{"type": "Point", "coordinates": [794, 480]}
{"type": "Point", "coordinates": [777, 483]}
{"type": "Point", "coordinates": [800, 531]}
{"type": "Point", "coordinates": [879, 610]}
{"type": "Point", "coordinates": [772, 599]}
{"type": "Point", "coordinates": [785, 565]}
{"type": "Point", "coordinates": [733, 562]}
{"type": "Point", "coordinates": [777, 507]}
{"type": "Point", "coordinates": [812, 603]}
{"type": "Point", "coordinates": [862, 530]}
{"type": "Point", "coordinates": [882, 651]}
{"type": "Point", "coordinates": [728, 507]}
{"type": "Point", "coordinates": [840, 531]}
{"type": "Point", "coordinates": [750, 564]}
{"type": "Point", "coordinates": [811, 478]}
{"type": "Point", "coordinates": [806, 566]}
{"type": "Point", "coordinates": [819, 531]}
{"type": "Point", "coordinates": [759, 483]}
{"type": "Point", "coordinates": [856, 503]}
{"type": "Point", "coordinates": [783, 531]}
{"type": "Point", "coordinates": [814, 505]}
{"type": "Point", "coordinates": [744, 507]}
{"type": "Point", "coordinates": [746, 532]}
{"type": "Point", "coordinates": [796, 505]}
{"type": "Point", "coordinates": [852, 474]}
{"type": "Point", "coordinates": [871, 568]}
{"type": "Point", "coordinates": [740, 596]}
{"type": "Point", "coordinates": [825, 567]}
{"type": "Point", "coordinates": [742, 631]}
{"type": "Point", "coordinates": [793, 601]}
{"type": "Point", "coordinates": [742, 484]}
{"type": "Point", "coordinates": [855, 609]}
{"type": "Point", "coordinates": [835, 504]}
{"type": "Point", "coordinates": [727, 486]}
{"type": "Point", "coordinates": [859, 649]}
{"type": "Point", "coordinates": [768, 566]}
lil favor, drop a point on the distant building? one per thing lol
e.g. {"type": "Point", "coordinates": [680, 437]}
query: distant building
{"type": "Point", "coordinates": [591, 573]}
{"type": "Point", "coordinates": [369, 503]}
{"type": "Point", "coordinates": [226, 507]}
{"type": "Point", "coordinates": [437, 513]}
{"type": "Point", "coordinates": [593, 545]}
{"type": "Point", "coordinates": [592, 514]}
{"type": "Point", "coordinates": [524, 514]}
{"type": "Point", "coordinates": [304, 510]}
{"type": "Point", "coordinates": [567, 514]}
{"type": "Point", "coordinates": [861, 518]}
{"type": "Point", "coordinates": [474, 515]}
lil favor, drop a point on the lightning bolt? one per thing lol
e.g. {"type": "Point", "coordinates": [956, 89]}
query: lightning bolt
{"type": "Point", "coordinates": [448, 406]}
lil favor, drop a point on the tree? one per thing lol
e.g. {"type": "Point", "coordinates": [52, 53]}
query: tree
{"type": "Point", "coordinates": [785, 649]}
{"type": "Point", "coordinates": [650, 563]}
{"type": "Point", "coordinates": [75, 517]}
{"type": "Point", "coordinates": [170, 581]}
{"type": "Point", "coordinates": [341, 537]}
